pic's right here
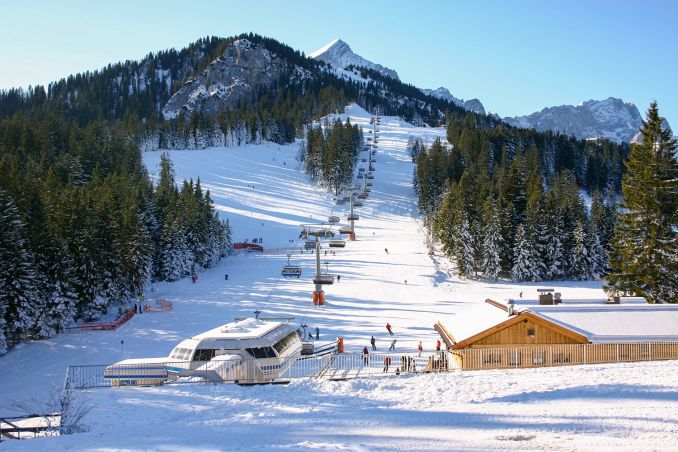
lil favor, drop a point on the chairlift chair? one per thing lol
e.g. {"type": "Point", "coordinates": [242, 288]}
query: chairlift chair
{"type": "Point", "coordinates": [369, 184]}
{"type": "Point", "coordinates": [333, 219]}
{"type": "Point", "coordinates": [354, 216]}
{"type": "Point", "coordinates": [323, 278]}
{"type": "Point", "coordinates": [357, 203]}
{"type": "Point", "coordinates": [289, 270]}
{"type": "Point", "coordinates": [309, 245]}
{"type": "Point", "coordinates": [345, 230]}
{"type": "Point", "coordinates": [337, 243]}
{"type": "Point", "coordinates": [362, 195]}
{"type": "Point", "coordinates": [370, 176]}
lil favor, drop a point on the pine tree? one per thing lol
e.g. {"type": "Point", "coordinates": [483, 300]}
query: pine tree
{"type": "Point", "coordinates": [581, 261]}
{"type": "Point", "coordinates": [492, 242]}
{"type": "Point", "coordinates": [18, 291]}
{"type": "Point", "coordinates": [464, 249]}
{"type": "Point", "coordinates": [644, 256]}
{"type": "Point", "coordinates": [524, 267]}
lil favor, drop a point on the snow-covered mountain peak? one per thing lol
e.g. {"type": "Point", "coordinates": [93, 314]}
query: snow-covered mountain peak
{"type": "Point", "coordinates": [611, 118]}
{"type": "Point", "coordinates": [339, 54]}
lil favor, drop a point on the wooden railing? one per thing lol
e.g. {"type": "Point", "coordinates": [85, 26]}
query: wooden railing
{"type": "Point", "coordinates": [559, 355]}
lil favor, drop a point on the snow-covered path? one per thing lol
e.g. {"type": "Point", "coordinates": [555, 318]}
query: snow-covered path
{"type": "Point", "coordinates": [260, 189]}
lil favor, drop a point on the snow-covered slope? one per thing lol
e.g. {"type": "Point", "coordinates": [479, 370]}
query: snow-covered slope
{"type": "Point", "coordinates": [443, 93]}
{"type": "Point", "coordinates": [263, 194]}
{"type": "Point", "coordinates": [611, 118]}
{"type": "Point", "coordinates": [339, 54]}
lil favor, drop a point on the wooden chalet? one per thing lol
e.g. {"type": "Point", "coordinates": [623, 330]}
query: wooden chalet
{"type": "Point", "coordinates": [500, 334]}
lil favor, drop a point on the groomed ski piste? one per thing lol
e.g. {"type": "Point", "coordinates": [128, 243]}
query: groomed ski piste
{"type": "Point", "coordinates": [264, 194]}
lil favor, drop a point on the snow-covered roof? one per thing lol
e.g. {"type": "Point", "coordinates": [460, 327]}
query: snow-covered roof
{"type": "Point", "coordinates": [474, 320]}
{"type": "Point", "coordinates": [242, 329]}
{"type": "Point", "coordinates": [615, 323]}
{"type": "Point", "coordinates": [632, 321]}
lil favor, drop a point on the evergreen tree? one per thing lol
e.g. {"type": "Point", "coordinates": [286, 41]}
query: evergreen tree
{"type": "Point", "coordinates": [492, 244]}
{"type": "Point", "coordinates": [18, 291]}
{"type": "Point", "coordinates": [581, 261]}
{"type": "Point", "coordinates": [644, 256]}
{"type": "Point", "coordinates": [524, 266]}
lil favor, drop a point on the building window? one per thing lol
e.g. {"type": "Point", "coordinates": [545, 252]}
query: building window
{"type": "Point", "coordinates": [538, 358]}
{"type": "Point", "coordinates": [530, 332]}
{"type": "Point", "coordinates": [561, 357]}
{"type": "Point", "coordinates": [492, 358]}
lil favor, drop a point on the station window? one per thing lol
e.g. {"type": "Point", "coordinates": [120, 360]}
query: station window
{"type": "Point", "coordinates": [261, 352]}
{"type": "Point", "coordinates": [530, 332]}
{"type": "Point", "coordinates": [204, 354]}
{"type": "Point", "coordinates": [285, 343]}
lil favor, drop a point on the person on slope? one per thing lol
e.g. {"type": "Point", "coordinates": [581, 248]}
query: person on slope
{"type": "Point", "coordinates": [317, 333]}
{"type": "Point", "coordinates": [438, 345]}
{"type": "Point", "coordinates": [420, 348]}
{"type": "Point", "coordinates": [392, 347]}
{"type": "Point", "coordinates": [366, 356]}
{"type": "Point", "coordinates": [387, 363]}
{"type": "Point", "coordinates": [388, 328]}
{"type": "Point", "coordinates": [374, 343]}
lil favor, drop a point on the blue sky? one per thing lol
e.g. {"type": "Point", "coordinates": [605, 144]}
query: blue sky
{"type": "Point", "coordinates": [515, 56]}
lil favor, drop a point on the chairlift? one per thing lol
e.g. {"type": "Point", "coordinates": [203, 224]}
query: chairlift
{"type": "Point", "coordinates": [362, 195]}
{"type": "Point", "coordinates": [323, 278]}
{"type": "Point", "coordinates": [337, 243]}
{"type": "Point", "coordinates": [370, 176]}
{"type": "Point", "coordinates": [371, 168]}
{"type": "Point", "coordinates": [345, 230]}
{"type": "Point", "coordinates": [360, 170]}
{"type": "Point", "coordinates": [360, 175]}
{"type": "Point", "coordinates": [357, 203]}
{"type": "Point", "coordinates": [369, 184]}
{"type": "Point", "coordinates": [363, 160]}
{"type": "Point", "coordinates": [309, 245]}
{"type": "Point", "coordinates": [333, 219]}
{"type": "Point", "coordinates": [354, 216]}
{"type": "Point", "coordinates": [289, 270]}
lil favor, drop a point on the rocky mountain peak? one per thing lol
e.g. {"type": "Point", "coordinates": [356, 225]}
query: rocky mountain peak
{"type": "Point", "coordinates": [443, 93]}
{"type": "Point", "coordinates": [611, 118]}
{"type": "Point", "coordinates": [339, 54]}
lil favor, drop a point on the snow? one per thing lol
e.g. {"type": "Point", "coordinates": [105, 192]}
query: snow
{"type": "Point", "coordinates": [616, 323]}
{"type": "Point", "coordinates": [263, 193]}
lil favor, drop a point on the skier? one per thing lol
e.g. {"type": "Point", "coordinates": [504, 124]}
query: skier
{"type": "Point", "coordinates": [194, 277]}
{"type": "Point", "coordinates": [392, 347]}
{"type": "Point", "coordinates": [374, 343]}
{"type": "Point", "coordinates": [438, 345]}
{"type": "Point", "coordinates": [338, 278]}
{"type": "Point", "coordinates": [310, 336]}
{"type": "Point", "coordinates": [366, 356]}
{"type": "Point", "coordinates": [387, 362]}
{"type": "Point", "coordinates": [386, 249]}
{"type": "Point", "coordinates": [405, 282]}
{"type": "Point", "coordinates": [420, 348]}
{"type": "Point", "coordinates": [521, 294]}
{"type": "Point", "coordinates": [317, 333]}
{"type": "Point", "coordinates": [388, 328]}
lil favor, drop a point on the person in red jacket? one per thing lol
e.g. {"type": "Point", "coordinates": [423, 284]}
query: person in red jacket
{"type": "Point", "coordinates": [438, 345]}
{"type": "Point", "coordinates": [388, 328]}
{"type": "Point", "coordinates": [366, 356]}
{"type": "Point", "coordinates": [387, 363]}
{"type": "Point", "coordinates": [420, 348]}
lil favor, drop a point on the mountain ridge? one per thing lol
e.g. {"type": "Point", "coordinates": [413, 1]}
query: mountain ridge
{"type": "Point", "coordinates": [610, 118]}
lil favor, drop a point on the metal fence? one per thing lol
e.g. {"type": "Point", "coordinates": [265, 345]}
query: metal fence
{"type": "Point", "coordinates": [560, 355]}
{"type": "Point", "coordinates": [250, 371]}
